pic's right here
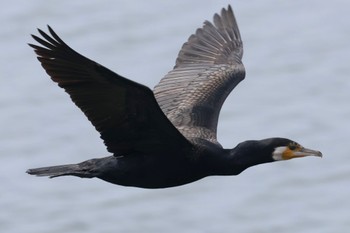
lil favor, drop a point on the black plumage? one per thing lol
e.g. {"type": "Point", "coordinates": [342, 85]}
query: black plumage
{"type": "Point", "coordinates": [166, 137]}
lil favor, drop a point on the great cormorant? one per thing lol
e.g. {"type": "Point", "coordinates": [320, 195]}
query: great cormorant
{"type": "Point", "coordinates": [167, 137]}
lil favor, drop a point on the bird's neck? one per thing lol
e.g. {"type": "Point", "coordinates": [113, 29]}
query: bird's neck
{"type": "Point", "coordinates": [233, 161]}
{"type": "Point", "coordinates": [219, 162]}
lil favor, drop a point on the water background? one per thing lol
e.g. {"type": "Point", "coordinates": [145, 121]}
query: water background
{"type": "Point", "coordinates": [297, 86]}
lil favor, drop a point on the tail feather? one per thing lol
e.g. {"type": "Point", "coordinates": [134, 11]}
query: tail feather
{"type": "Point", "coordinates": [60, 170]}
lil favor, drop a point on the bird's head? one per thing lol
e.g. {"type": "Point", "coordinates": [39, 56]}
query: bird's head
{"type": "Point", "coordinates": [285, 149]}
{"type": "Point", "coordinates": [255, 152]}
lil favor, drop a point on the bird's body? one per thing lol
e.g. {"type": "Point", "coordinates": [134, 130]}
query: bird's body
{"type": "Point", "coordinates": [167, 137]}
{"type": "Point", "coordinates": [176, 168]}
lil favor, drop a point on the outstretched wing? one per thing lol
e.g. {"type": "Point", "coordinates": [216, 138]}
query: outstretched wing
{"type": "Point", "coordinates": [208, 67]}
{"type": "Point", "coordinates": [124, 112]}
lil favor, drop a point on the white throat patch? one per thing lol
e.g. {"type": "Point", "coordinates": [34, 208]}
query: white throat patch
{"type": "Point", "coordinates": [277, 154]}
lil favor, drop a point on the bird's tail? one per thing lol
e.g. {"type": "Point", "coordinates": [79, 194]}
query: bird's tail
{"type": "Point", "coordinates": [63, 170]}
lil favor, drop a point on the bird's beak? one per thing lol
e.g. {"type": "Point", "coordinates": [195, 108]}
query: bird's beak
{"type": "Point", "coordinates": [302, 152]}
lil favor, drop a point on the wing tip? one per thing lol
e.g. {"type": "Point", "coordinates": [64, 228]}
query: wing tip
{"type": "Point", "coordinates": [220, 37]}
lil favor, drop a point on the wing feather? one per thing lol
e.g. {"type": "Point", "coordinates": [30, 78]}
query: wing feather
{"type": "Point", "coordinates": [208, 67]}
{"type": "Point", "coordinates": [124, 112]}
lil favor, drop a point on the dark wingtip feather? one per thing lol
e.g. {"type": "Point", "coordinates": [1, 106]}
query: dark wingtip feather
{"type": "Point", "coordinates": [31, 45]}
{"type": "Point", "coordinates": [216, 42]}
{"type": "Point", "coordinates": [228, 9]}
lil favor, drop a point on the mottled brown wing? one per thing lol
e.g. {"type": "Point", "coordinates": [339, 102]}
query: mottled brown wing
{"type": "Point", "coordinates": [124, 112]}
{"type": "Point", "coordinates": [208, 67]}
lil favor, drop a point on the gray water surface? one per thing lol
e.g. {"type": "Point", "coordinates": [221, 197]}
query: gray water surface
{"type": "Point", "coordinates": [297, 86]}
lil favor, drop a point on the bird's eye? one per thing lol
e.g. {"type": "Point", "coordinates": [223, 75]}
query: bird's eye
{"type": "Point", "coordinates": [293, 146]}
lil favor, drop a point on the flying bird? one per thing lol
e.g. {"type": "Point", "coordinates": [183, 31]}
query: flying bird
{"type": "Point", "coordinates": [166, 137]}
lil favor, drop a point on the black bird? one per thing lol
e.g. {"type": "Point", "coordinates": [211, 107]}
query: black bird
{"type": "Point", "coordinates": [167, 137]}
